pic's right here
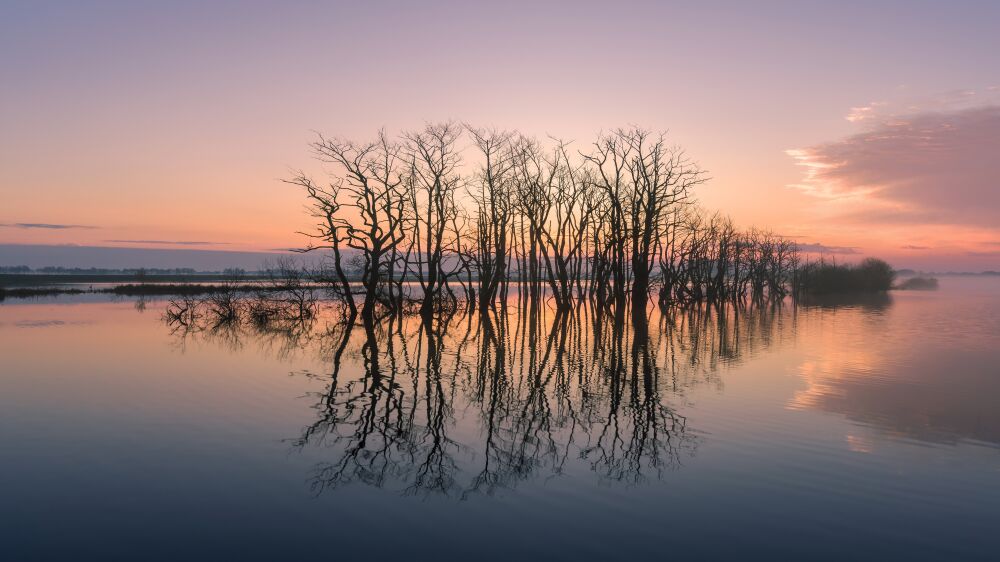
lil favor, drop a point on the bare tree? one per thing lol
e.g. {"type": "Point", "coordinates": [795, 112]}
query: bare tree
{"type": "Point", "coordinates": [492, 193]}
{"type": "Point", "coordinates": [361, 209]}
{"type": "Point", "coordinates": [645, 180]}
{"type": "Point", "coordinates": [431, 185]}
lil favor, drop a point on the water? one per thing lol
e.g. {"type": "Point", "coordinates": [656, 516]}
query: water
{"type": "Point", "coordinates": [862, 429]}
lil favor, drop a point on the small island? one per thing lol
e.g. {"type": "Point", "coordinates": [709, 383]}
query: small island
{"type": "Point", "coordinates": [918, 283]}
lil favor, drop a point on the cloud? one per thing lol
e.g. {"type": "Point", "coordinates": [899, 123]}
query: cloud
{"type": "Point", "coordinates": [47, 226]}
{"type": "Point", "coordinates": [817, 248]}
{"type": "Point", "coordinates": [170, 242]}
{"type": "Point", "coordinates": [988, 254]}
{"type": "Point", "coordinates": [864, 113]}
{"type": "Point", "coordinates": [927, 168]}
{"type": "Point", "coordinates": [912, 247]}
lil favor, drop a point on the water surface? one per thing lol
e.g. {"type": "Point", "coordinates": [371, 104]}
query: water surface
{"type": "Point", "coordinates": [861, 428]}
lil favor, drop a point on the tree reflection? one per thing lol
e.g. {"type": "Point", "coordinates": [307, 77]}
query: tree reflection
{"type": "Point", "coordinates": [481, 401]}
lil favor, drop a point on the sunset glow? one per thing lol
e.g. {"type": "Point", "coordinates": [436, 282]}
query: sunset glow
{"type": "Point", "coordinates": [173, 126]}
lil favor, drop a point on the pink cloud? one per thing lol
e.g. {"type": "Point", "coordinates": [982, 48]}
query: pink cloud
{"type": "Point", "coordinates": [926, 168]}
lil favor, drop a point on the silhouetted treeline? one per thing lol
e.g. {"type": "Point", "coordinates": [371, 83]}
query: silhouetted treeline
{"type": "Point", "coordinates": [49, 269]}
{"type": "Point", "coordinates": [455, 214]}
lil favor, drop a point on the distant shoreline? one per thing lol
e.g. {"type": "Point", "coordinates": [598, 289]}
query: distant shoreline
{"type": "Point", "coordinates": [136, 290]}
{"type": "Point", "coordinates": [31, 280]}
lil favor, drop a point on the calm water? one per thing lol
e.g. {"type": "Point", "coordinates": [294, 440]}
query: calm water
{"type": "Point", "coordinates": [862, 429]}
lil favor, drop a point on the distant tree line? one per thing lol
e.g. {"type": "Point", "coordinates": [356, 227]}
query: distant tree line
{"type": "Point", "coordinates": [23, 269]}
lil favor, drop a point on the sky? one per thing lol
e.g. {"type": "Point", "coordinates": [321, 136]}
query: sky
{"type": "Point", "coordinates": [857, 128]}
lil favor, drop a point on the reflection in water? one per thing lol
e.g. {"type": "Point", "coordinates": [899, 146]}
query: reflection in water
{"type": "Point", "coordinates": [950, 397]}
{"type": "Point", "coordinates": [872, 422]}
{"type": "Point", "coordinates": [926, 372]}
{"type": "Point", "coordinates": [924, 391]}
{"type": "Point", "coordinates": [473, 403]}
{"type": "Point", "coordinates": [869, 302]}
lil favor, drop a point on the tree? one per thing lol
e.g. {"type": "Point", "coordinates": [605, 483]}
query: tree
{"type": "Point", "coordinates": [362, 209]}
{"type": "Point", "coordinates": [431, 184]}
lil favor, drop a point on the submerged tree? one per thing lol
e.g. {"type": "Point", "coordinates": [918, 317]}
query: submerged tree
{"type": "Point", "coordinates": [614, 224]}
{"type": "Point", "coordinates": [645, 180]}
{"type": "Point", "coordinates": [371, 187]}
{"type": "Point", "coordinates": [432, 184]}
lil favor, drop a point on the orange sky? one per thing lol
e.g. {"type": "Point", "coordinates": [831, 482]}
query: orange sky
{"type": "Point", "coordinates": [171, 126]}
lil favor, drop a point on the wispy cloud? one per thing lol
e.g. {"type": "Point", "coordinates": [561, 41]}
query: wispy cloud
{"type": "Point", "coordinates": [864, 113]}
{"type": "Point", "coordinates": [47, 226]}
{"type": "Point", "coordinates": [913, 247]}
{"type": "Point", "coordinates": [817, 248]}
{"type": "Point", "coordinates": [170, 242]}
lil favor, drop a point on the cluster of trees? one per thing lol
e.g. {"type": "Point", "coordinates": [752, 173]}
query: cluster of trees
{"type": "Point", "coordinates": [822, 277]}
{"type": "Point", "coordinates": [455, 213]}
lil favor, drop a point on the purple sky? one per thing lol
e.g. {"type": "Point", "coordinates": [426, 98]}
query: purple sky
{"type": "Point", "coordinates": [860, 127]}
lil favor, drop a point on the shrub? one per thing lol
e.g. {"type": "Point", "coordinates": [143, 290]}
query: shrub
{"type": "Point", "coordinates": [871, 275]}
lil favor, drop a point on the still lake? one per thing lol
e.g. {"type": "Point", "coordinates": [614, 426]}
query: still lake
{"type": "Point", "coordinates": [847, 428]}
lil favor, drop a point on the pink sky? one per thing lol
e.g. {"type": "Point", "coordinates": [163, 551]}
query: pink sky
{"type": "Point", "coordinates": [864, 129]}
